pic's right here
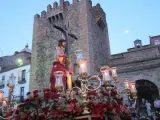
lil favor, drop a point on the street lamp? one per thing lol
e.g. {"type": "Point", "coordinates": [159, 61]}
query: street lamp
{"type": "Point", "coordinates": [20, 61]}
{"type": "Point", "coordinates": [8, 104]}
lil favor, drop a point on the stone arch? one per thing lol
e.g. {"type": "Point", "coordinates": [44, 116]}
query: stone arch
{"type": "Point", "coordinates": [143, 76]}
{"type": "Point", "coordinates": [147, 90]}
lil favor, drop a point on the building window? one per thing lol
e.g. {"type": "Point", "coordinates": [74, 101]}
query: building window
{"type": "Point", "coordinates": [2, 82]}
{"type": "Point", "coordinates": [3, 79]}
{"type": "Point", "coordinates": [21, 93]}
{"type": "Point", "coordinates": [23, 74]}
{"type": "Point", "coordinates": [157, 42]}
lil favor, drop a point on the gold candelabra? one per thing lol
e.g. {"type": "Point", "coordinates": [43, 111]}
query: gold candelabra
{"type": "Point", "coordinates": [92, 83]}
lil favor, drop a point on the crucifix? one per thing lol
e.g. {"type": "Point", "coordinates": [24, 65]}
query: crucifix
{"type": "Point", "coordinates": [66, 34]}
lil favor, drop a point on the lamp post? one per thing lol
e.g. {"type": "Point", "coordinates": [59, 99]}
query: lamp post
{"type": "Point", "coordinates": [8, 104]}
{"type": "Point", "coordinates": [20, 61]}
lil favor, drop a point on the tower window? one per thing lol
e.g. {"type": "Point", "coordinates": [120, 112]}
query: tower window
{"type": "Point", "coordinates": [157, 42]}
{"type": "Point", "coordinates": [100, 22]}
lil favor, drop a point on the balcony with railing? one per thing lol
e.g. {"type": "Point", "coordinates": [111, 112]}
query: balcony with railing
{"type": "Point", "coordinates": [2, 84]}
{"type": "Point", "coordinates": [22, 80]}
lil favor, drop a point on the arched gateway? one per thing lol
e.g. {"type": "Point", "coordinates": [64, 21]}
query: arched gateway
{"type": "Point", "coordinates": [147, 90]}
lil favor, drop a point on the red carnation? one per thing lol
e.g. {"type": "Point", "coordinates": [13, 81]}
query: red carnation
{"type": "Point", "coordinates": [78, 110]}
{"type": "Point", "coordinates": [72, 100]}
{"type": "Point", "coordinates": [35, 93]}
{"type": "Point", "coordinates": [46, 90]}
{"type": "Point", "coordinates": [109, 107]}
{"type": "Point", "coordinates": [54, 96]}
{"type": "Point", "coordinates": [118, 110]}
{"type": "Point", "coordinates": [18, 117]}
{"type": "Point", "coordinates": [98, 110]}
{"type": "Point", "coordinates": [105, 93]}
{"type": "Point", "coordinates": [114, 103]}
{"type": "Point", "coordinates": [113, 92]}
{"type": "Point", "coordinates": [92, 93]}
{"type": "Point", "coordinates": [119, 100]}
{"type": "Point", "coordinates": [26, 101]}
{"type": "Point", "coordinates": [71, 106]}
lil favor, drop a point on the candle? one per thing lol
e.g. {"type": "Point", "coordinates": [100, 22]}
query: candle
{"type": "Point", "coordinates": [106, 76]}
{"type": "Point", "coordinates": [69, 81]}
{"type": "Point", "coordinates": [83, 67]}
{"type": "Point", "coordinates": [126, 84]}
{"type": "Point", "coordinates": [133, 88]}
{"type": "Point", "coordinates": [105, 72]}
{"type": "Point", "coordinates": [114, 73]}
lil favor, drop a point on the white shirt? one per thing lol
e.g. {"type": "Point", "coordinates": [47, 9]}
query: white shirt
{"type": "Point", "coordinates": [148, 105]}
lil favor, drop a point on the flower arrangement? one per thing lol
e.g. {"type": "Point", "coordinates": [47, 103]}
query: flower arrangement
{"type": "Point", "coordinates": [107, 104]}
{"type": "Point", "coordinates": [50, 105]}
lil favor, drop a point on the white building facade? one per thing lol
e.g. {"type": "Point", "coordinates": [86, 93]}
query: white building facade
{"type": "Point", "coordinates": [15, 69]}
{"type": "Point", "coordinates": [21, 81]}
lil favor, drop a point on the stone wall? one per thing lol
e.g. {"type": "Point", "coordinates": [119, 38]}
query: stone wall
{"type": "Point", "coordinates": [140, 64]}
{"type": "Point", "coordinates": [80, 19]}
{"type": "Point", "coordinates": [153, 52]}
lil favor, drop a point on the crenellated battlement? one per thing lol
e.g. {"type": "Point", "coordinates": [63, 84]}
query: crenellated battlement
{"type": "Point", "coordinates": [43, 14]}
{"type": "Point", "coordinates": [58, 9]}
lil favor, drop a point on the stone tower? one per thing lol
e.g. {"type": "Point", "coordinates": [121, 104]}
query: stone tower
{"type": "Point", "coordinates": [86, 22]}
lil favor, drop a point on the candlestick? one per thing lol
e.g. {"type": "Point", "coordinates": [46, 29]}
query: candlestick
{"type": "Point", "coordinates": [59, 83]}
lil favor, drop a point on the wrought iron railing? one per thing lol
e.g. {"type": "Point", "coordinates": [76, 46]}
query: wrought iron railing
{"type": "Point", "coordinates": [22, 80]}
{"type": "Point", "coordinates": [2, 85]}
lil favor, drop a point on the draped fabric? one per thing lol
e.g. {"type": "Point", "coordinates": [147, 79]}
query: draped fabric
{"type": "Point", "coordinates": [57, 67]}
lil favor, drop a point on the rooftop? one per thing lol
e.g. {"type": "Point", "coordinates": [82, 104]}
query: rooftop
{"type": "Point", "coordinates": [19, 59]}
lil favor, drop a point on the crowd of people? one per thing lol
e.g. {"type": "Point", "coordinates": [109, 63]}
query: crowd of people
{"type": "Point", "coordinates": [145, 111]}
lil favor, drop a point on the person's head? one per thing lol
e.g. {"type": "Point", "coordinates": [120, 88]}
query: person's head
{"type": "Point", "coordinates": [143, 100]}
{"type": "Point", "coordinates": [146, 101]}
{"type": "Point", "coordinates": [62, 43]}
